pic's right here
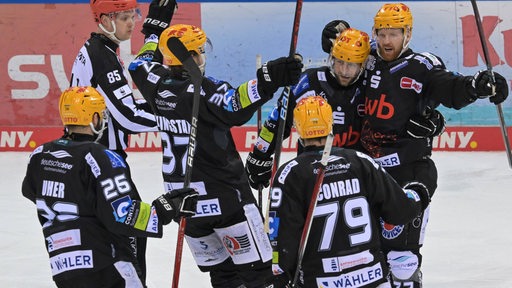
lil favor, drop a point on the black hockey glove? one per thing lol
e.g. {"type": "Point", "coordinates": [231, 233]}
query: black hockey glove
{"type": "Point", "coordinates": [485, 88]}
{"type": "Point", "coordinates": [159, 16]}
{"type": "Point", "coordinates": [420, 190]}
{"type": "Point", "coordinates": [432, 125]}
{"type": "Point", "coordinates": [259, 170]}
{"type": "Point", "coordinates": [331, 32]}
{"type": "Point", "coordinates": [280, 72]}
{"type": "Point", "coordinates": [176, 204]}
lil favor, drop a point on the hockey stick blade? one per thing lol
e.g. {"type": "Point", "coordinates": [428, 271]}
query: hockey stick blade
{"type": "Point", "coordinates": [196, 77]}
{"type": "Point", "coordinates": [180, 51]}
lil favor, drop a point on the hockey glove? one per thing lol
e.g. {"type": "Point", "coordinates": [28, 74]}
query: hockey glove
{"type": "Point", "coordinates": [159, 16]}
{"type": "Point", "coordinates": [419, 189]}
{"type": "Point", "coordinates": [331, 32]}
{"type": "Point", "coordinates": [259, 170]}
{"type": "Point", "coordinates": [176, 204]}
{"type": "Point", "coordinates": [280, 72]}
{"type": "Point", "coordinates": [485, 88]}
{"type": "Point", "coordinates": [420, 126]}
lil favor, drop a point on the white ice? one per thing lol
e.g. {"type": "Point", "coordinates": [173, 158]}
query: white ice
{"type": "Point", "coordinates": [468, 241]}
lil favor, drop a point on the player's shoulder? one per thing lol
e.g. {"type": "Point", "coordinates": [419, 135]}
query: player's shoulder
{"type": "Point", "coordinates": [428, 59]}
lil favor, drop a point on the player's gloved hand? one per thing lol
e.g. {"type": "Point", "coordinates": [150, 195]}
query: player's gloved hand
{"type": "Point", "coordinates": [280, 72]}
{"type": "Point", "coordinates": [331, 32]}
{"type": "Point", "coordinates": [159, 16]}
{"type": "Point", "coordinates": [419, 189]}
{"type": "Point", "coordinates": [279, 281]}
{"type": "Point", "coordinates": [176, 204]}
{"type": "Point", "coordinates": [431, 125]}
{"type": "Point", "coordinates": [259, 170]}
{"type": "Point", "coordinates": [485, 87]}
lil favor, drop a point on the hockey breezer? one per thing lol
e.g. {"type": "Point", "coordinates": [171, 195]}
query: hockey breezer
{"type": "Point", "coordinates": [503, 126]}
{"type": "Point", "coordinates": [180, 51]}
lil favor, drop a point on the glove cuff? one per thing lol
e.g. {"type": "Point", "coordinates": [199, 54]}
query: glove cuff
{"type": "Point", "coordinates": [265, 81]}
{"type": "Point", "coordinates": [421, 190]}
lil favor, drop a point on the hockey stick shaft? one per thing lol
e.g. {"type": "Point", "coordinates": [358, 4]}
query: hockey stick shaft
{"type": "Point", "coordinates": [501, 117]}
{"type": "Point", "coordinates": [311, 209]}
{"type": "Point", "coordinates": [196, 76]}
{"type": "Point", "coordinates": [284, 107]}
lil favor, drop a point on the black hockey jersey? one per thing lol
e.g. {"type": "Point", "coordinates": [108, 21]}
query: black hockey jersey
{"type": "Point", "coordinates": [394, 91]}
{"type": "Point", "coordinates": [347, 104]}
{"type": "Point", "coordinates": [82, 191]}
{"type": "Point", "coordinates": [216, 159]}
{"type": "Point", "coordinates": [343, 248]}
{"type": "Point", "coordinates": [98, 65]}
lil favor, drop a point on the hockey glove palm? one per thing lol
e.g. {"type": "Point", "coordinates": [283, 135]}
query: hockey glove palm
{"type": "Point", "coordinates": [420, 126]}
{"type": "Point", "coordinates": [421, 190]}
{"type": "Point", "coordinates": [176, 204]}
{"type": "Point", "coordinates": [159, 16]}
{"type": "Point", "coordinates": [280, 72]}
{"type": "Point", "coordinates": [331, 32]}
{"type": "Point", "coordinates": [259, 170]}
{"type": "Point", "coordinates": [485, 88]}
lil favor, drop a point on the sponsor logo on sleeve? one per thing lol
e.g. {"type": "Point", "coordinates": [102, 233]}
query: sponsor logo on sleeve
{"type": "Point", "coordinates": [121, 208]}
{"type": "Point", "coordinates": [123, 91]}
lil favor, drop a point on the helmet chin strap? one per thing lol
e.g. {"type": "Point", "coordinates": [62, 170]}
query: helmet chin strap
{"type": "Point", "coordinates": [110, 35]}
{"type": "Point", "coordinates": [99, 132]}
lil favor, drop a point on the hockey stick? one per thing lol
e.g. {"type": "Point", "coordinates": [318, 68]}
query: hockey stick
{"type": "Point", "coordinates": [312, 204]}
{"type": "Point", "coordinates": [501, 117]}
{"type": "Point", "coordinates": [284, 108]}
{"type": "Point", "coordinates": [196, 77]}
{"type": "Point", "coordinates": [258, 123]}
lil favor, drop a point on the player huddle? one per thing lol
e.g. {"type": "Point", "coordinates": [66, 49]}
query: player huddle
{"type": "Point", "coordinates": [349, 211]}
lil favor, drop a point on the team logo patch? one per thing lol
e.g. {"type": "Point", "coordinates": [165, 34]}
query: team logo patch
{"type": "Point", "coordinates": [237, 244]}
{"type": "Point", "coordinates": [115, 159]}
{"type": "Point", "coordinates": [390, 231]}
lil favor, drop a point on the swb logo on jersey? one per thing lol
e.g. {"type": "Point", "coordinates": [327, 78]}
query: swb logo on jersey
{"type": "Point", "coordinates": [390, 231]}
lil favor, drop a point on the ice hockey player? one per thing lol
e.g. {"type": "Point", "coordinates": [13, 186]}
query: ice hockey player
{"type": "Point", "coordinates": [415, 83]}
{"type": "Point", "coordinates": [343, 247]}
{"type": "Point", "coordinates": [87, 203]}
{"type": "Point", "coordinates": [341, 85]}
{"type": "Point", "coordinates": [226, 236]}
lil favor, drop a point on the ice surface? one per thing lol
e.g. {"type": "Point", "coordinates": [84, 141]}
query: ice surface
{"type": "Point", "coordinates": [468, 241]}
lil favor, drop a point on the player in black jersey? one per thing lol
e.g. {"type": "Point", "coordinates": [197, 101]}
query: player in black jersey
{"type": "Point", "coordinates": [343, 247]}
{"type": "Point", "coordinates": [341, 85]}
{"type": "Point", "coordinates": [226, 235]}
{"type": "Point", "coordinates": [88, 205]}
{"type": "Point", "coordinates": [401, 83]}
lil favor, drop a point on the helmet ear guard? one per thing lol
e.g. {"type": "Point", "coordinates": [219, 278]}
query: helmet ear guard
{"type": "Point", "coordinates": [312, 117]}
